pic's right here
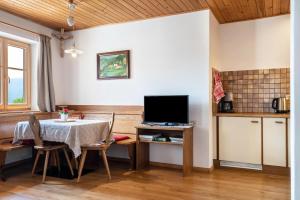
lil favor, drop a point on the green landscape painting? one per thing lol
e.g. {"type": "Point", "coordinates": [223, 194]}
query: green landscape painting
{"type": "Point", "coordinates": [113, 65]}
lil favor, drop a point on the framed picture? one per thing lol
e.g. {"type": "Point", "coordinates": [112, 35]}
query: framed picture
{"type": "Point", "coordinates": [113, 65]}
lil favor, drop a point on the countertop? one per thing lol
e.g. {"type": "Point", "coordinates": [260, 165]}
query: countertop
{"type": "Point", "coordinates": [262, 114]}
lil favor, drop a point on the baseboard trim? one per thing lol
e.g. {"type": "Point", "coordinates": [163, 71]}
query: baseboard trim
{"type": "Point", "coordinates": [267, 169]}
{"type": "Point", "coordinates": [165, 165]}
{"type": "Point", "coordinates": [203, 169]}
{"type": "Point", "coordinates": [175, 166]}
{"type": "Point", "coordinates": [285, 171]}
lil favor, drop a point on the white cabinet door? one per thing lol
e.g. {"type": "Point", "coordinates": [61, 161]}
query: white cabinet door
{"type": "Point", "coordinates": [240, 139]}
{"type": "Point", "coordinates": [289, 142]}
{"type": "Point", "coordinates": [274, 141]}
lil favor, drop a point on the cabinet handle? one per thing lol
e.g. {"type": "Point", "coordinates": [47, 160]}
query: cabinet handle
{"type": "Point", "coordinates": [278, 122]}
{"type": "Point", "coordinates": [254, 122]}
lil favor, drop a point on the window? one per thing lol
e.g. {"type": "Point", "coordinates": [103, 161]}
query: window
{"type": "Point", "coordinates": [14, 75]}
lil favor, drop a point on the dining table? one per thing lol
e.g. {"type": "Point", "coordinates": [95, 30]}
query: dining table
{"type": "Point", "coordinates": [74, 133]}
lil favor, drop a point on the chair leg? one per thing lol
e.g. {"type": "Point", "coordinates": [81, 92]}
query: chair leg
{"type": "Point", "coordinates": [106, 163]}
{"type": "Point", "coordinates": [45, 166]}
{"type": "Point", "coordinates": [35, 162]}
{"type": "Point", "coordinates": [57, 160]}
{"type": "Point", "coordinates": [75, 161]}
{"type": "Point", "coordinates": [68, 161]}
{"type": "Point", "coordinates": [83, 156]}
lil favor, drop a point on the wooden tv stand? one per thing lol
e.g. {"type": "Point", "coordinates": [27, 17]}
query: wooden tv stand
{"type": "Point", "coordinates": [142, 147]}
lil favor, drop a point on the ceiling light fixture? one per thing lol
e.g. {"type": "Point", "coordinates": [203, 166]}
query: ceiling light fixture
{"type": "Point", "coordinates": [73, 51]}
{"type": "Point", "coordinates": [71, 22]}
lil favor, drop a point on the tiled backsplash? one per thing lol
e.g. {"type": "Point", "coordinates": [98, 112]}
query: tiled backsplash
{"type": "Point", "coordinates": [254, 90]}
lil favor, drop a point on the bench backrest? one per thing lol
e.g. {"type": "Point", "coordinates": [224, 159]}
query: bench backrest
{"type": "Point", "coordinates": [123, 123]}
{"type": "Point", "coordinates": [8, 123]}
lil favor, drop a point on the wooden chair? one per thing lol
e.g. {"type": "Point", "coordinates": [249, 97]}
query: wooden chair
{"type": "Point", "coordinates": [101, 147]}
{"type": "Point", "coordinates": [47, 148]}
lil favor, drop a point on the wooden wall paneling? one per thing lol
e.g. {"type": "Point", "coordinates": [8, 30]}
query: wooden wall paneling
{"type": "Point", "coordinates": [269, 7]}
{"type": "Point", "coordinates": [113, 6]}
{"type": "Point", "coordinates": [108, 7]}
{"type": "Point", "coordinates": [181, 4]}
{"type": "Point", "coordinates": [135, 9]}
{"type": "Point", "coordinates": [38, 19]}
{"type": "Point", "coordinates": [253, 6]}
{"type": "Point", "coordinates": [190, 5]}
{"type": "Point", "coordinates": [147, 7]}
{"type": "Point", "coordinates": [129, 110]}
{"type": "Point", "coordinates": [214, 8]}
{"type": "Point", "coordinates": [159, 7]}
{"type": "Point", "coordinates": [239, 15]}
{"type": "Point", "coordinates": [89, 10]}
{"type": "Point", "coordinates": [154, 9]}
{"type": "Point", "coordinates": [8, 122]}
{"type": "Point", "coordinates": [225, 8]}
{"type": "Point", "coordinates": [196, 4]}
{"type": "Point", "coordinates": [123, 123]}
{"type": "Point", "coordinates": [174, 7]}
{"type": "Point", "coordinates": [246, 9]}
{"type": "Point", "coordinates": [284, 6]}
{"type": "Point", "coordinates": [260, 8]}
{"type": "Point", "coordinates": [203, 3]}
{"type": "Point", "coordinates": [276, 7]}
{"type": "Point", "coordinates": [166, 7]}
{"type": "Point", "coordinates": [53, 13]}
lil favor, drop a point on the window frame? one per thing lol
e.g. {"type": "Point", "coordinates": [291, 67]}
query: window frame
{"type": "Point", "coordinates": [4, 105]}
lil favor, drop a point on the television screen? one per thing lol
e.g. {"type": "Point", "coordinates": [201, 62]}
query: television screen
{"type": "Point", "coordinates": [166, 109]}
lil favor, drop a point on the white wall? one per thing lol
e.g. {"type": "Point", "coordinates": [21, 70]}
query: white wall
{"type": "Point", "coordinates": [24, 36]}
{"type": "Point", "coordinates": [255, 44]}
{"type": "Point", "coordinates": [169, 55]}
{"type": "Point", "coordinates": [295, 98]}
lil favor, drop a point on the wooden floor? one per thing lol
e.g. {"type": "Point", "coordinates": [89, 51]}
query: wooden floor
{"type": "Point", "coordinates": [154, 184]}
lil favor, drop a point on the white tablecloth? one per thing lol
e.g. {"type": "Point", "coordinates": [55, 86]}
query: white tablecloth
{"type": "Point", "coordinates": [74, 134]}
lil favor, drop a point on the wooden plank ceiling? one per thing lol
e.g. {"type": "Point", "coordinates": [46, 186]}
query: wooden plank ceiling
{"type": "Point", "coordinates": [89, 13]}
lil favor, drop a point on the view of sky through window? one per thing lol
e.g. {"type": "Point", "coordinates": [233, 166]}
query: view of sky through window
{"type": "Point", "coordinates": [15, 75]}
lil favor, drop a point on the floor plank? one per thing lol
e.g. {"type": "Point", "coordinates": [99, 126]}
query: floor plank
{"type": "Point", "coordinates": [155, 183]}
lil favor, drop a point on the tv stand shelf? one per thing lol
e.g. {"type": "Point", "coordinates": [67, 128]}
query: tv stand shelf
{"type": "Point", "coordinates": [142, 148]}
{"type": "Point", "coordinates": [157, 142]}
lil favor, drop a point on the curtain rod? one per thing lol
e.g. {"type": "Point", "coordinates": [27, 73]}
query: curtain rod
{"type": "Point", "coordinates": [36, 33]}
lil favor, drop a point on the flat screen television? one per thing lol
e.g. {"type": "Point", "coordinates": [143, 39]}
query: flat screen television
{"type": "Point", "coordinates": [166, 109]}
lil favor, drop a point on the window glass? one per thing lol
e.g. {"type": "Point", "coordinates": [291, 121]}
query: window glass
{"type": "Point", "coordinates": [15, 57]}
{"type": "Point", "coordinates": [15, 86]}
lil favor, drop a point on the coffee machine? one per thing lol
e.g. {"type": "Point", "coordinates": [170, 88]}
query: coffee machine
{"type": "Point", "coordinates": [226, 103]}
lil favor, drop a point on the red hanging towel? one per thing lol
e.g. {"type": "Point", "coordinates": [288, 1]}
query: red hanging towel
{"type": "Point", "coordinates": [218, 89]}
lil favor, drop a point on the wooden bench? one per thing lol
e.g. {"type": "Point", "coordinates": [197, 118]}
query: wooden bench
{"type": "Point", "coordinates": [124, 124]}
{"type": "Point", "coordinates": [8, 123]}
{"type": "Point", "coordinates": [6, 146]}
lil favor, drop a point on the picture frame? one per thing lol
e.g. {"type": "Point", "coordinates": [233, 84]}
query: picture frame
{"type": "Point", "coordinates": [113, 65]}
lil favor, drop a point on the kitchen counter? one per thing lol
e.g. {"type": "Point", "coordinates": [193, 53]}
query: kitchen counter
{"type": "Point", "coordinates": [262, 114]}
